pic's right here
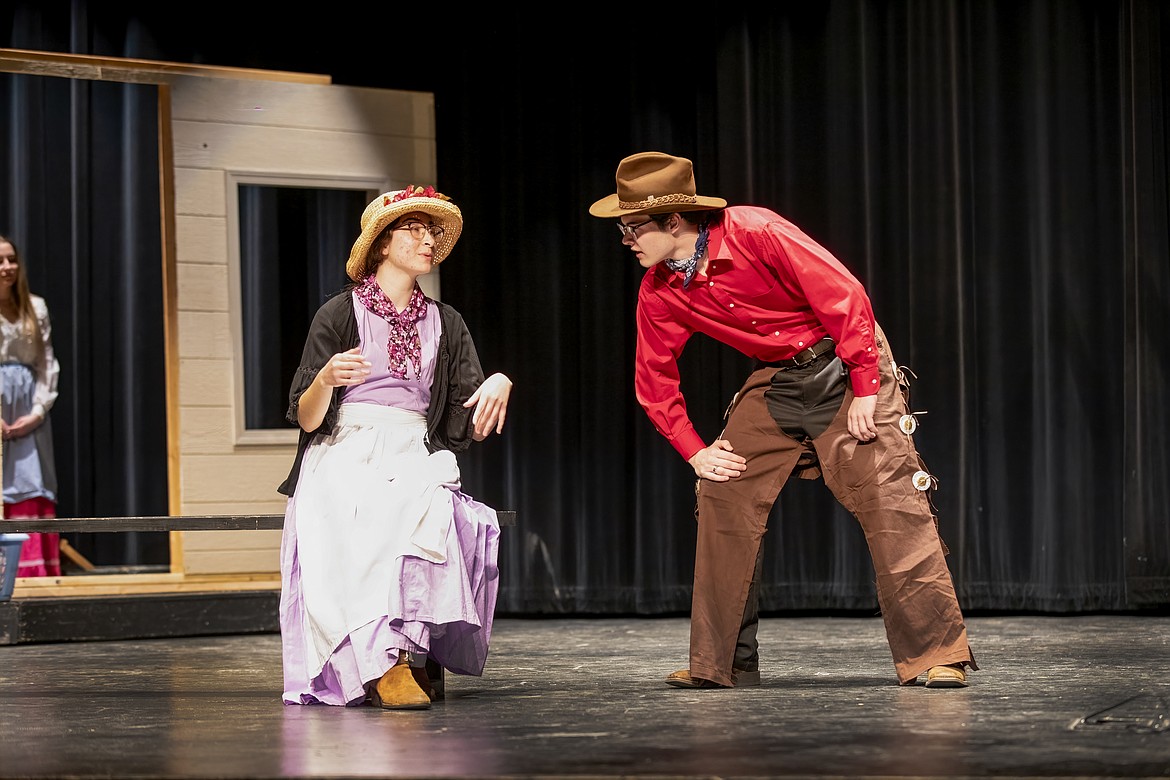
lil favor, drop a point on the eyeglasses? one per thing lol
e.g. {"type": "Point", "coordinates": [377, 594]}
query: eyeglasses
{"type": "Point", "coordinates": [631, 230]}
{"type": "Point", "coordinates": [419, 230]}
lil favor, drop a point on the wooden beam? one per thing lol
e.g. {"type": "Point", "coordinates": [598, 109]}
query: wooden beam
{"type": "Point", "coordinates": [166, 523]}
{"type": "Point", "coordinates": [84, 66]}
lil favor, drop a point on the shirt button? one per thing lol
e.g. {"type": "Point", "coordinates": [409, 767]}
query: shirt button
{"type": "Point", "coordinates": [731, 305]}
{"type": "Point", "coordinates": [753, 322]}
{"type": "Point", "coordinates": [777, 333]}
{"type": "Point", "coordinates": [710, 284]}
{"type": "Point", "coordinates": [873, 381]}
{"type": "Point", "coordinates": [800, 343]}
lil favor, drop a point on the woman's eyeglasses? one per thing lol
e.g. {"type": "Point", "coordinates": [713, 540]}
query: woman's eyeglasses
{"type": "Point", "coordinates": [419, 230]}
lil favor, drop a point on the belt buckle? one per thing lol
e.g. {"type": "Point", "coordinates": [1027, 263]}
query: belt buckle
{"type": "Point", "coordinates": [798, 363]}
{"type": "Point", "coordinates": [813, 354]}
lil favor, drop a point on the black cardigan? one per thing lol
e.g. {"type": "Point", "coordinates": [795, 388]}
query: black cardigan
{"type": "Point", "coordinates": [457, 375]}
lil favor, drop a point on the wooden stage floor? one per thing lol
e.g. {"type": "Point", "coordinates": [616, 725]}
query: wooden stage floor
{"type": "Point", "coordinates": [1057, 697]}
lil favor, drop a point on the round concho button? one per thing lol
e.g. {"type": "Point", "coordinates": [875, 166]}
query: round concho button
{"type": "Point", "coordinates": [908, 423]}
{"type": "Point", "coordinates": [922, 480]}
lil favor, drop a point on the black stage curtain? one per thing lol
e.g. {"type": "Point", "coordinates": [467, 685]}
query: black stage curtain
{"type": "Point", "coordinates": [79, 165]}
{"type": "Point", "coordinates": [995, 172]}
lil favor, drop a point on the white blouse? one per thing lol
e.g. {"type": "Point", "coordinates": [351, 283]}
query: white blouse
{"type": "Point", "coordinates": [16, 346]}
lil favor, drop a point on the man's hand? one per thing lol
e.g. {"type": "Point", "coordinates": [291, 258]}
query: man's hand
{"type": "Point", "coordinates": [861, 426]}
{"type": "Point", "coordinates": [718, 463]}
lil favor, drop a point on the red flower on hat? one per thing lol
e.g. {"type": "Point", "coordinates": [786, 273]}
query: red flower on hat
{"type": "Point", "coordinates": [413, 191]}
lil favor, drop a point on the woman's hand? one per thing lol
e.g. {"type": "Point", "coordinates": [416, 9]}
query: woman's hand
{"type": "Point", "coordinates": [345, 368]}
{"type": "Point", "coordinates": [22, 426]}
{"type": "Point", "coordinates": [490, 400]}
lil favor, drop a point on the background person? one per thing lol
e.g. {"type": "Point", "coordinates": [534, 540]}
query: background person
{"type": "Point", "coordinates": [28, 372]}
{"type": "Point", "coordinates": [824, 398]}
{"type": "Point", "coordinates": [384, 560]}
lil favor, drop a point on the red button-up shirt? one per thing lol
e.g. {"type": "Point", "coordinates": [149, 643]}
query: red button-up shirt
{"type": "Point", "coordinates": [769, 291]}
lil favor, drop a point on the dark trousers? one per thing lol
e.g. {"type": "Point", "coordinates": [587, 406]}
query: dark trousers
{"type": "Point", "coordinates": [877, 481]}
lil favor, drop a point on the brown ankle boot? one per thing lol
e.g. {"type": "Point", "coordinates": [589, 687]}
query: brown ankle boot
{"type": "Point", "coordinates": [397, 690]}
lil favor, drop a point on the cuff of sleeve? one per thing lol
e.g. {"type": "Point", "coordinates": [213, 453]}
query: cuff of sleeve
{"type": "Point", "coordinates": [864, 381]}
{"type": "Point", "coordinates": [688, 443]}
{"type": "Point", "coordinates": [39, 410]}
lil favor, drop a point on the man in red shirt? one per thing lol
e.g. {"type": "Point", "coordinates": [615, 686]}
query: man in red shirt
{"type": "Point", "coordinates": [824, 399]}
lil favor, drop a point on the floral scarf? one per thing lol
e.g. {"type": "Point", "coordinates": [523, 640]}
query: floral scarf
{"type": "Point", "coordinates": [404, 343]}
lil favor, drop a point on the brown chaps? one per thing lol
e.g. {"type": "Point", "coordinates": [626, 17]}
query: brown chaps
{"type": "Point", "coordinates": [879, 482]}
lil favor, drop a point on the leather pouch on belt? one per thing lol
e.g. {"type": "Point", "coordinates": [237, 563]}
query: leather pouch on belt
{"type": "Point", "coordinates": [804, 400]}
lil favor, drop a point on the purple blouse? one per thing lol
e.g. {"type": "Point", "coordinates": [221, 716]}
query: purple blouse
{"type": "Point", "coordinates": [380, 388]}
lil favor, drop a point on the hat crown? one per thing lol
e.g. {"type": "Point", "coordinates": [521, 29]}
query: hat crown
{"type": "Point", "coordinates": [651, 175]}
{"type": "Point", "coordinates": [654, 183]}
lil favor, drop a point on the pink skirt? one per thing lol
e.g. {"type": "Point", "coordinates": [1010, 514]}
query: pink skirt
{"type": "Point", "coordinates": [41, 554]}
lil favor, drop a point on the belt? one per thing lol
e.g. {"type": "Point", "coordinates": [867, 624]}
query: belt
{"type": "Point", "coordinates": [804, 357]}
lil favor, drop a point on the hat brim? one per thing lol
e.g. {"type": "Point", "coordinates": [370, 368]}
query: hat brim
{"type": "Point", "coordinates": [445, 214]}
{"type": "Point", "coordinates": [610, 206]}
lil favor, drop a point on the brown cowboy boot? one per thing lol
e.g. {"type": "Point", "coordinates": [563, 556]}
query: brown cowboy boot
{"type": "Point", "coordinates": [948, 676]}
{"type": "Point", "coordinates": [740, 678]}
{"type": "Point", "coordinates": [397, 690]}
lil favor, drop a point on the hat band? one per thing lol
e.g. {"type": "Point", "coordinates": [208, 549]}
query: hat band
{"type": "Point", "coordinates": [678, 197]}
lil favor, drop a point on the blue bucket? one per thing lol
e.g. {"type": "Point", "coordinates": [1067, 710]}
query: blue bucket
{"type": "Point", "coordinates": [10, 546]}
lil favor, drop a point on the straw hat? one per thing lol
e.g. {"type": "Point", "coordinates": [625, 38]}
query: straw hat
{"type": "Point", "coordinates": [654, 183]}
{"type": "Point", "coordinates": [389, 206]}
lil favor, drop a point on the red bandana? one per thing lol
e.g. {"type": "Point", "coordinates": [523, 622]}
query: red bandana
{"type": "Point", "coordinates": [404, 341]}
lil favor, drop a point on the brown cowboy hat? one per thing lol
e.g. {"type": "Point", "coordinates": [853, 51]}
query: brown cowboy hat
{"type": "Point", "coordinates": [389, 206]}
{"type": "Point", "coordinates": [654, 183]}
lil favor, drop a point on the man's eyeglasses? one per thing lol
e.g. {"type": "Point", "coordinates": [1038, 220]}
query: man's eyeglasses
{"type": "Point", "coordinates": [631, 230]}
{"type": "Point", "coordinates": [419, 230]}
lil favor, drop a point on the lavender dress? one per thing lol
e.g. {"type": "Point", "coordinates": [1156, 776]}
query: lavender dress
{"type": "Point", "coordinates": [382, 553]}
